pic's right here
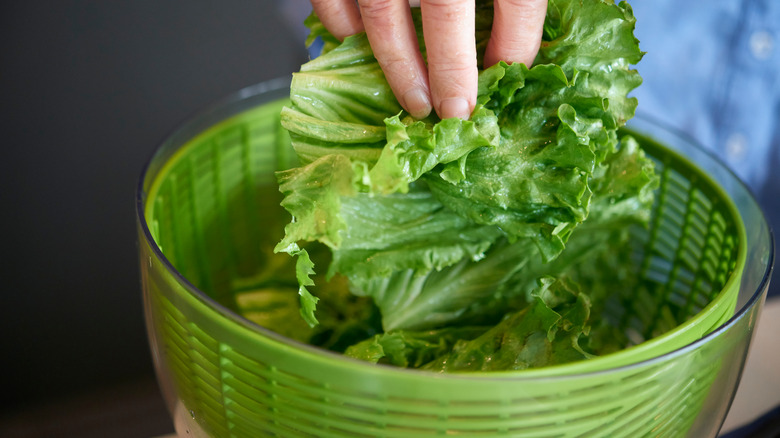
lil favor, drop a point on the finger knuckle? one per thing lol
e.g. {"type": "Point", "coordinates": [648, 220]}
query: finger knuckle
{"type": "Point", "coordinates": [514, 41]}
{"type": "Point", "coordinates": [449, 10]}
{"type": "Point", "coordinates": [447, 3]}
{"type": "Point", "coordinates": [522, 4]}
{"type": "Point", "coordinates": [526, 11]}
{"type": "Point", "coordinates": [376, 8]}
{"type": "Point", "coordinates": [398, 67]}
{"type": "Point", "coordinates": [452, 72]}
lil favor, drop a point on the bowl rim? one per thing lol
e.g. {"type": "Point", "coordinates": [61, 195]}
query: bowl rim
{"type": "Point", "coordinates": [281, 83]}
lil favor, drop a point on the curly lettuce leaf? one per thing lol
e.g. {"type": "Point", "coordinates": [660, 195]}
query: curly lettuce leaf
{"type": "Point", "coordinates": [596, 37]}
{"type": "Point", "coordinates": [558, 120]}
{"type": "Point", "coordinates": [312, 195]}
{"type": "Point", "coordinates": [304, 269]}
{"type": "Point", "coordinates": [624, 186]}
{"type": "Point", "coordinates": [444, 193]}
{"type": "Point", "coordinates": [416, 147]}
{"type": "Point", "coordinates": [545, 333]}
{"type": "Point", "coordinates": [480, 291]}
{"type": "Point", "coordinates": [411, 349]}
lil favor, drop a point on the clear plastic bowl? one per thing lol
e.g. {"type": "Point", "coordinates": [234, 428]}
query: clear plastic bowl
{"type": "Point", "coordinates": [202, 206]}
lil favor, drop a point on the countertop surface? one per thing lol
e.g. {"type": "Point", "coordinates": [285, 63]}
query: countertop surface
{"type": "Point", "coordinates": [759, 390]}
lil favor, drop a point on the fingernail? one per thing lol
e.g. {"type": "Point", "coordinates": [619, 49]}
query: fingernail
{"type": "Point", "coordinates": [417, 103]}
{"type": "Point", "coordinates": [454, 107]}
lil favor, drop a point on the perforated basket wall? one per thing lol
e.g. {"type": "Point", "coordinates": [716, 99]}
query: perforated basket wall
{"type": "Point", "coordinates": [203, 203]}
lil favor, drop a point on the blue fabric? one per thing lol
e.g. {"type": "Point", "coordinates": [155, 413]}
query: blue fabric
{"type": "Point", "coordinates": [711, 69]}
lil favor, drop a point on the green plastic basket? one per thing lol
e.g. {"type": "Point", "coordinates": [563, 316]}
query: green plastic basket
{"type": "Point", "coordinates": [206, 206]}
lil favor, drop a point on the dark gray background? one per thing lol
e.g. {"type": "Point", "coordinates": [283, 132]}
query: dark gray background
{"type": "Point", "coordinates": [87, 91]}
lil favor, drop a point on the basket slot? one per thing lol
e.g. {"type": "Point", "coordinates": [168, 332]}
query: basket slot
{"type": "Point", "coordinates": [684, 253]}
{"type": "Point", "coordinates": [193, 353]}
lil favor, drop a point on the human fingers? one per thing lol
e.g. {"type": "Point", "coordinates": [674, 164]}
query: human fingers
{"type": "Point", "coordinates": [340, 17]}
{"type": "Point", "coordinates": [391, 33]}
{"type": "Point", "coordinates": [517, 31]}
{"type": "Point", "coordinates": [448, 28]}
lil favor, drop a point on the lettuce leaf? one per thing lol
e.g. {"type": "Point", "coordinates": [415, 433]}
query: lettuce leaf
{"type": "Point", "coordinates": [558, 121]}
{"type": "Point", "coordinates": [411, 349]}
{"type": "Point", "coordinates": [480, 291]}
{"type": "Point", "coordinates": [448, 224]}
{"type": "Point", "coordinates": [271, 299]}
{"type": "Point", "coordinates": [547, 332]}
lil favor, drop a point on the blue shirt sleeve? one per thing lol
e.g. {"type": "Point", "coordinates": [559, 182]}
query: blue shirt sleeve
{"type": "Point", "coordinates": [710, 70]}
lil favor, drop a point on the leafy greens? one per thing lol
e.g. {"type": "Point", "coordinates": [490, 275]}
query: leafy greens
{"type": "Point", "coordinates": [471, 237]}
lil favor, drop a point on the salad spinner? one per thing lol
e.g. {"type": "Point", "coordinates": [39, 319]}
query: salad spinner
{"type": "Point", "coordinates": [202, 208]}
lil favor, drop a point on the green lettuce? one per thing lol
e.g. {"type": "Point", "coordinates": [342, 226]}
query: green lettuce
{"type": "Point", "coordinates": [412, 349]}
{"type": "Point", "coordinates": [480, 291]}
{"type": "Point", "coordinates": [544, 333]}
{"type": "Point", "coordinates": [448, 226]}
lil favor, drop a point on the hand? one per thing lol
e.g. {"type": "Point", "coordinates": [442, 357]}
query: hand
{"type": "Point", "coordinates": [449, 83]}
